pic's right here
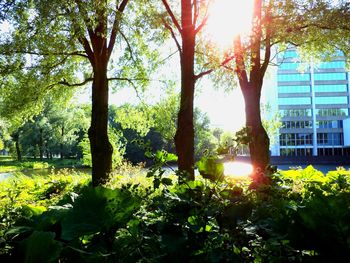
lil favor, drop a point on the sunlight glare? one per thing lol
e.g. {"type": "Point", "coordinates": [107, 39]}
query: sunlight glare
{"type": "Point", "coordinates": [237, 169]}
{"type": "Point", "coordinates": [227, 19]}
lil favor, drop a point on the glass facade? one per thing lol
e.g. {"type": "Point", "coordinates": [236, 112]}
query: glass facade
{"type": "Point", "coordinates": [294, 101]}
{"type": "Point", "coordinates": [330, 139]}
{"type": "Point", "coordinates": [293, 77]}
{"type": "Point", "coordinates": [331, 100]}
{"type": "Point", "coordinates": [331, 88]}
{"type": "Point", "coordinates": [292, 66]}
{"type": "Point", "coordinates": [288, 54]}
{"type": "Point", "coordinates": [294, 89]}
{"type": "Point", "coordinates": [293, 139]}
{"type": "Point", "coordinates": [312, 113]}
{"type": "Point", "coordinates": [295, 113]}
{"type": "Point", "coordinates": [296, 124]}
{"type": "Point", "coordinates": [331, 65]}
{"type": "Point", "coordinates": [330, 76]}
{"type": "Point", "coordinates": [332, 112]}
{"type": "Point", "coordinates": [296, 152]}
{"type": "Point", "coordinates": [329, 124]}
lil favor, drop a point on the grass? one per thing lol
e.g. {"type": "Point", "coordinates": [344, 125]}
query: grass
{"type": "Point", "coordinates": [8, 164]}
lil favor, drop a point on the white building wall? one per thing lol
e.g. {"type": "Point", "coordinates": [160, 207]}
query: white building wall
{"type": "Point", "coordinates": [346, 131]}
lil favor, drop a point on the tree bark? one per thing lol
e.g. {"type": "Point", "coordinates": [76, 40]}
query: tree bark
{"type": "Point", "coordinates": [18, 149]}
{"type": "Point", "coordinates": [61, 145]}
{"type": "Point", "coordinates": [40, 145]}
{"type": "Point", "coordinates": [184, 137]}
{"type": "Point", "coordinates": [101, 148]}
{"type": "Point", "coordinates": [259, 144]}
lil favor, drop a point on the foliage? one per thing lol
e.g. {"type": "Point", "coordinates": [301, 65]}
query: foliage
{"type": "Point", "coordinates": [118, 145]}
{"type": "Point", "coordinates": [7, 164]}
{"type": "Point", "coordinates": [301, 217]}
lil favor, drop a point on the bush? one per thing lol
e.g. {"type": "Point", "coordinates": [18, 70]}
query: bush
{"type": "Point", "coordinates": [301, 217]}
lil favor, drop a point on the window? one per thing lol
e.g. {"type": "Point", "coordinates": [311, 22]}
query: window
{"type": "Point", "coordinates": [296, 152]}
{"type": "Point", "coordinates": [331, 100]}
{"type": "Point", "coordinates": [290, 65]}
{"type": "Point", "coordinates": [329, 124]}
{"type": "Point", "coordinates": [289, 54]}
{"type": "Point", "coordinates": [296, 113]}
{"type": "Point", "coordinates": [292, 139]}
{"type": "Point", "coordinates": [293, 77]}
{"type": "Point", "coordinates": [293, 89]}
{"type": "Point", "coordinates": [296, 124]}
{"type": "Point", "coordinates": [330, 76]}
{"type": "Point", "coordinates": [330, 88]}
{"type": "Point", "coordinates": [330, 139]}
{"type": "Point", "coordinates": [332, 112]}
{"type": "Point", "coordinates": [294, 101]}
{"type": "Point", "coordinates": [332, 64]}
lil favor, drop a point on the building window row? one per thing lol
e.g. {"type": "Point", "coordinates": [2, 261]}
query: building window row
{"type": "Point", "coordinates": [331, 88]}
{"type": "Point", "coordinates": [333, 151]}
{"type": "Point", "coordinates": [296, 152]}
{"type": "Point", "coordinates": [296, 124]}
{"type": "Point", "coordinates": [332, 112]}
{"type": "Point", "coordinates": [331, 100]}
{"type": "Point", "coordinates": [294, 101]}
{"type": "Point", "coordinates": [330, 139]}
{"type": "Point", "coordinates": [330, 76]}
{"type": "Point", "coordinates": [292, 139]}
{"type": "Point", "coordinates": [292, 65]}
{"type": "Point", "coordinates": [288, 54]}
{"type": "Point", "coordinates": [294, 77]}
{"type": "Point", "coordinates": [331, 64]}
{"type": "Point", "coordinates": [329, 124]}
{"type": "Point", "coordinates": [295, 113]}
{"type": "Point", "coordinates": [293, 89]}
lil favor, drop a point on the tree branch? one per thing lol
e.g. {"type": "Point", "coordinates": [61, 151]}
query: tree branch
{"type": "Point", "coordinates": [172, 16]}
{"type": "Point", "coordinates": [256, 40]}
{"type": "Point", "coordinates": [73, 53]}
{"type": "Point", "coordinates": [240, 65]}
{"type": "Point", "coordinates": [85, 43]}
{"type": "Point", "coordinates": [115, 27]}
{"type": "Point", "coordinates": [66, 83]}
{"type": "Point", "coordinates": [267, 41]}
{"type": "Point", "coordinates": [172, 35]}
{"type": "Point", "coordinates": [222, 64]}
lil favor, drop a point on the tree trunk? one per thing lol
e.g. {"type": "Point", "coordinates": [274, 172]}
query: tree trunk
{"type": "Point", "coordinates": [18, 149]}
{"type": "Point", "coordinates": [61, 145]}
{"type": "Point", "coordinates": [101, 148]}
{"type": "Point", "coordinates": [40, 145]}
{"type": "Point", "coordinates": [259, 144]}
{"type": "Point", "coordinates": [184, 137]}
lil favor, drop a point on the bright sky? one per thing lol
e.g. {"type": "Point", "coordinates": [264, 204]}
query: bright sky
{"type": "Point", "coordinates": [227, 19]}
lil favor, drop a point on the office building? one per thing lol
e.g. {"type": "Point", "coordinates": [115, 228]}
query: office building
{"type": "Point", "coordinates": [313, 102]}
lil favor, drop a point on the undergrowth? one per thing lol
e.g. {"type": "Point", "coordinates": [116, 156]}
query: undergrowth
{"type": "Point", "coordinates": [303, 216]}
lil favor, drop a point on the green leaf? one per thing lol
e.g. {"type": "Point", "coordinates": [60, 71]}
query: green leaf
{"type": "Point", "coordinates": [210, 168]}
{"type": "Point", "coordinates": [40, 247]}
{"type": "Point", "coordinates": [98, 209]}
{"type": "Point", "coordinates": [33, 210]}
{"type": "Point", "coordinates": [167, 181]}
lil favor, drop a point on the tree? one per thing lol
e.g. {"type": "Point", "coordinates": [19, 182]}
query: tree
{"type": "Point", "coordinates": [187, 28]}
{"type": "Point", "coordinates": [61, 39]}
{"type": "Point", "coordinates": [273, 22]}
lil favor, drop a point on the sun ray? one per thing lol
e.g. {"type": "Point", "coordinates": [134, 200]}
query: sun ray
{"type": "Point", "coordinates": [227, 19]}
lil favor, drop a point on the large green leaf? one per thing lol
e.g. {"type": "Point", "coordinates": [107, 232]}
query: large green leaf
{"type": "Point", "coordinates": [210, 168]}
{"type": "Point", "coordinates": [40, 247]}
{"type": "Point", "coordinates": [98, 209]}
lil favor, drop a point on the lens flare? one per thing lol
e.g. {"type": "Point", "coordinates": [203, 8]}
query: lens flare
{"type": "Point", "coordinates": [237, 169]}
{"type": "Point", "coordinates": [227, 19]}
